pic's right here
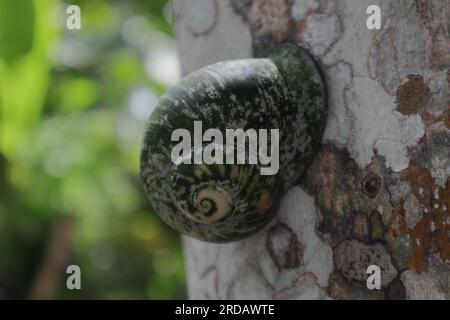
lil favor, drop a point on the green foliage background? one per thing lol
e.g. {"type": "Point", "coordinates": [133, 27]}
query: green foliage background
{"type": "Point", "coordinates": [73, 105]}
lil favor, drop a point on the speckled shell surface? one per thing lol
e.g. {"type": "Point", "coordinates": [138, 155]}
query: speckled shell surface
{"type": "Point", "coordinates": [226, 202]}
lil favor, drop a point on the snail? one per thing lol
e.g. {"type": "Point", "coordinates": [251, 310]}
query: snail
{"type": "Point", "coordinates": [221, 201]}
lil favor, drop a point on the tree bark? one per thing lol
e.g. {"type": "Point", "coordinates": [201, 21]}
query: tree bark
{"type": "Point", "coordinates": [378, 191]}
{"type": "Point", "coordinates": [55, 261]}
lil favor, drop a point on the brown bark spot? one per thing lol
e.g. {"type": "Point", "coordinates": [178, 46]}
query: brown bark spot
{"type": "Point", "coordinates": [341, 289]}
{"type": "Point", "coordinates": [433, 230]}
{"type": "Point", "coordinates": [412, 96]}
{"type": "Point", "coordinates": [368, 229]}
{"type": "Point", "coordinates": [376, 226]}
{"type": "Point", "coordinates": [337, 287]}
{"type": "Point", "coordinates": [284, 247]}
{"type": "Point", "coordinates": [397, 223]}
{"type": "Point", "coordinates": [334, 178]}
{"type": "Point", "coordinates": [360, 227]}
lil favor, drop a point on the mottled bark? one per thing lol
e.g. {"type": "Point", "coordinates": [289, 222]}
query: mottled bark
{"type": "Point", "coordinates": [378, 192]}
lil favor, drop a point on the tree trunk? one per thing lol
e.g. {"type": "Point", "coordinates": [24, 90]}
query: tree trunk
{"type": "Point", "coordinates": [378, 191]}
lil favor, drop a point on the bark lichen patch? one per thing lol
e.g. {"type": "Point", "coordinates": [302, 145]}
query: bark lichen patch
{"type": "Point", "coordinates": [433, 153]}
{"type": "Point", "coordinates": [437, 107]}
{"type": "Point", "coordinates": [431, 284]}
{"type": "Point", "coordinates": [412, 96]}
{"type": "Point", "coordinates": [431, 232]}
{"type": "Point", "coordinates": [428, 176]}
{"type": "Point", "coordinates": [284, 247]}
{"type": "Point", "coordinates": [397, 238]}
{"type": "Point", "coordinates": [352, 258]}
{"type": "Point", "coordinates": [398, 189]}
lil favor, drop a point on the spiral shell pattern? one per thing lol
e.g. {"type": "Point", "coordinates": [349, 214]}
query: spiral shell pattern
{"type": "Point", "coordinates": [224, 202]}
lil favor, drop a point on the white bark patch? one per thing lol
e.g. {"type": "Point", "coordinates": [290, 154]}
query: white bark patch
{"type": "Point", "coordinates": [396, 154]}
{"type": "Point", "coordinates": [301, 7]}
{"type": "Point", "coordinates": [319, 33]}
{"type": "Point", "coordinates": [305, 288]}
{"type": "Point", "coordinates": [375, 124]}
{"type": "Point", "coordinates": [222, 34]}
{"type": "Point", "coordinates": [355, 42]}
{"type": "Point", "coordinates": [249, 284]}
{"type": "Point", "coordinates": [199, 21]}
{"type": "Point", "coordinates": [361, 113]}
{"type": "Point", "coordinates": [298, 211]}
{"type": "Point", "coordinates": [338, 78]}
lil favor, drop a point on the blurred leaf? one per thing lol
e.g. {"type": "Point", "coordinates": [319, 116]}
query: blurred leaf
{"type": "Point", "coordinates": [75, 93]}
{"type": "Point", "coordinates": [24, 83]}
{"type": "Point", "coordinates": [16, 28]}
{"type": "Point", "coordinates": [161, 288]}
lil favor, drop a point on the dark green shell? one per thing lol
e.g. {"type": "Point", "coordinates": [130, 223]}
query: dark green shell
{"type": "Point", "coordinates": [225, 202]}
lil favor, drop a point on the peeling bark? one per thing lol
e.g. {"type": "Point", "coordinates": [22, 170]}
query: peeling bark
{"type": "Point", "coordinates": [378, 192]}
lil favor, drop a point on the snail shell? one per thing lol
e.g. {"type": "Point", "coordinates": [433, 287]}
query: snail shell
{"type": "Point", "coordinates": [225, 202]}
